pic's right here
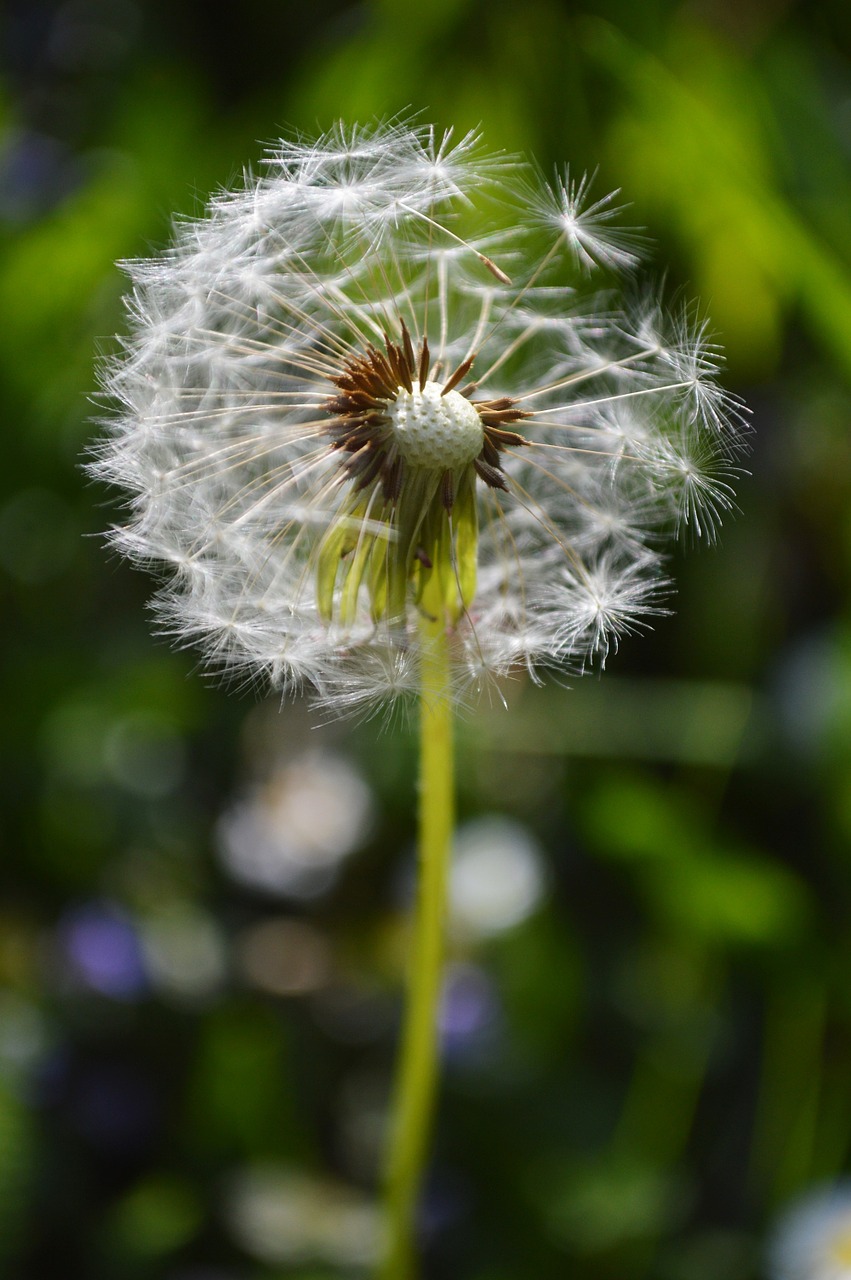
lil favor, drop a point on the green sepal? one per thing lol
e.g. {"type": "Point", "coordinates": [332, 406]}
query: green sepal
{"type": "Point", "coordinates": [465, 519]}
{"type": "Point", "coordinates": [331, 549]}
{"type": "Point", "coordinates": [415, 551]}
{"type": "Point", "coordinates": [380, 567]}
{"type": "Point", "coordinates": [354, 572]}
{"type": "Point", "coordinates": [338, 541]}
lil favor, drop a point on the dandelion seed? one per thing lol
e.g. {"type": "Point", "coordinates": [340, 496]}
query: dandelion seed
{"type": "Point", "coordinates": [347, 397]}
{"type": "Point", "coordinates": [586, 226]}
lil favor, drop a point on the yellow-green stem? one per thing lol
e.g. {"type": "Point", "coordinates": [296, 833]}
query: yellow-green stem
{"type": "Point", "coordinates": [417, 1072]}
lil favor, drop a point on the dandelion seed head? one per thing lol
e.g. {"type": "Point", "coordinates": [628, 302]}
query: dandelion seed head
{"type": "Point", "coordinates": [349, 396]}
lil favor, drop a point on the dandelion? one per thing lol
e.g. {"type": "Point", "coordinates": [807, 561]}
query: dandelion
{"type": "Point", "coordinates": [371, 386]}
{"type": "Point", "coordinates": [390, 437]}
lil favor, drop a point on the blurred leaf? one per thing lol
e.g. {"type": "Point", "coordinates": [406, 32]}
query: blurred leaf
{"type": "Point", "coordinates": [156, 1218]}
{"type": "Point", "coordinates": [237, 1101]}
{"type": "Point", "coordinates": [731, 901]}
{"type": "Point", "coordinates": [542, 1012]}
{"type": "Point", "coordinates": [718, 895]}
{"type": "Point", "coordinates": [706, 1255]}
{"type": "Point", "coordinates": [599, 1208]}
{"type": "Point", "coordinates": [57, 277]}
{"type": "Point", "coordinates": [17, 1165]}
{"type": "Point", "coordinates": [697, 147]}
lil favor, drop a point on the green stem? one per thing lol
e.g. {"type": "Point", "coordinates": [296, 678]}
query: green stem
{"type": "Point", "coordinates": [417, 1072]}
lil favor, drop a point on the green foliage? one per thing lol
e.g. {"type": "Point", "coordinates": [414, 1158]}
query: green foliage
{"type": "Point", "coordinates": [695, 886]}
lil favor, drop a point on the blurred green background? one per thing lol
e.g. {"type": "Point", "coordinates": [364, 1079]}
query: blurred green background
{"type": "Point", "coordinates": [648, 1015]}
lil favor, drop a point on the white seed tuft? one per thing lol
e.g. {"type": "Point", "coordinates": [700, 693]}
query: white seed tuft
{"type": "Point", "coordinates": [290, 459]}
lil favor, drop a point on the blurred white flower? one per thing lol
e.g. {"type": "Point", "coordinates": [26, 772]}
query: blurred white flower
{"type": "Point", "coordinates": [185, 952]}
{"type": "Point", "coordinates": [498, 876]}
{"type": "Point", "coordinates": [25, 1036]}
{"type": "Point", "coordinates": [351, 387]}
{"type": "Point", "coordinates": [279, 1215]}
{"type": "Point", "coordinates": [290, 835]}
{"type": "Point", "coordinates": [812, 1240]}
{"type": "Point", "coordinates": [284, 956]}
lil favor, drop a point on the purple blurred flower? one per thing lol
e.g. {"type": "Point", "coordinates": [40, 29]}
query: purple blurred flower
{"type": "Point", "coordinates": [100, 944]}
{"type": "Point", "coordinates": [470, 1012]}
